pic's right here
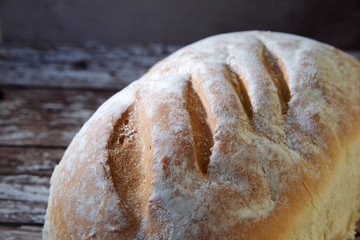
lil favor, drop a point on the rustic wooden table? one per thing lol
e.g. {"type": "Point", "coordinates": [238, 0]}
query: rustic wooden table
{"type": "Point", "coordinates": [46, 94]}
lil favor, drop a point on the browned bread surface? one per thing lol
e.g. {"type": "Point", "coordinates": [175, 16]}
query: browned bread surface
{"type": "Point", "coordinates": [238, 136]}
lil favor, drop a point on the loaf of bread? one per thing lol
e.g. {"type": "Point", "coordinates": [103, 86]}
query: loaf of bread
{"type": "Point", "coordinates": [249, 135]}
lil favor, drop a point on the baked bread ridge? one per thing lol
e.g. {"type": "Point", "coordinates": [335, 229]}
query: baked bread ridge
{"type": "Point", "coordinates": [238, 136]}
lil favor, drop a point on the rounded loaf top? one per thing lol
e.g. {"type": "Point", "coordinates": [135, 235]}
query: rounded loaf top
{"type": "Point", "coordinates": [223, 139]}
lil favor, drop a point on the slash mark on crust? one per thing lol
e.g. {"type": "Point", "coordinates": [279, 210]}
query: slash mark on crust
{"type": "Point", "coordinates": [239, 88]}
{"type": "Point", "coordinates": [200, 129]}
{"type": "Point", "coordinates": [277, 73]}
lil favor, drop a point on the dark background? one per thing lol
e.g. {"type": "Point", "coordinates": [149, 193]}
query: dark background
{"type": "Point", "coordinates": [118, 22]}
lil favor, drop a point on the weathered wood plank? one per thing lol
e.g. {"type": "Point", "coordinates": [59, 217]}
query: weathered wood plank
{"type": "Point", "coordinates": [23, 198]}
{"type": "Point", "coordinates": [29, 160]}
{"type": "Point", "coordinates": [24, 182]}
{"type": "Point", "coordinates": [23, 232]}
{"type": "Point", "coordinates": [15, 211]}
{"type": "Point", "coordinates": [45, 117]}
{"type": "Point", "coordinates": [91, 66]}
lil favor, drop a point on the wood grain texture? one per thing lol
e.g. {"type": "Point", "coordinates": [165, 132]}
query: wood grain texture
{"type": "Point", "coordinates": [29, 160]}
{"type": "Point", "coordinates": [89, 67]}
{"type": "Point", "coordinates": [92, 66]}
{"type": "Point", "coordinates": [45, 117]}
{"type": "Point", "coordinates": [24, 182]}
{"type": "Point", "coordinates": [22, 232]}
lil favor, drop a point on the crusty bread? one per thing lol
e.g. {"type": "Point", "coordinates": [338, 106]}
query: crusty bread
{"type": "Point", "coordinates": [251, 135]}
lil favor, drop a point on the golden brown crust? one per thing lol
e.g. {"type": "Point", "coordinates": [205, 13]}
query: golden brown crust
{"type": "Point", "coordinates": [238, 136]}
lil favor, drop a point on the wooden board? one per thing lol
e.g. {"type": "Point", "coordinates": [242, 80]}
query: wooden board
{"type": "Point", "coordinates": [45, 97]}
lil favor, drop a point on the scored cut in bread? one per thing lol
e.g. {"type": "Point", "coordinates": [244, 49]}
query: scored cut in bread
{"type": "Point", "coordinates": [248, 135]}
